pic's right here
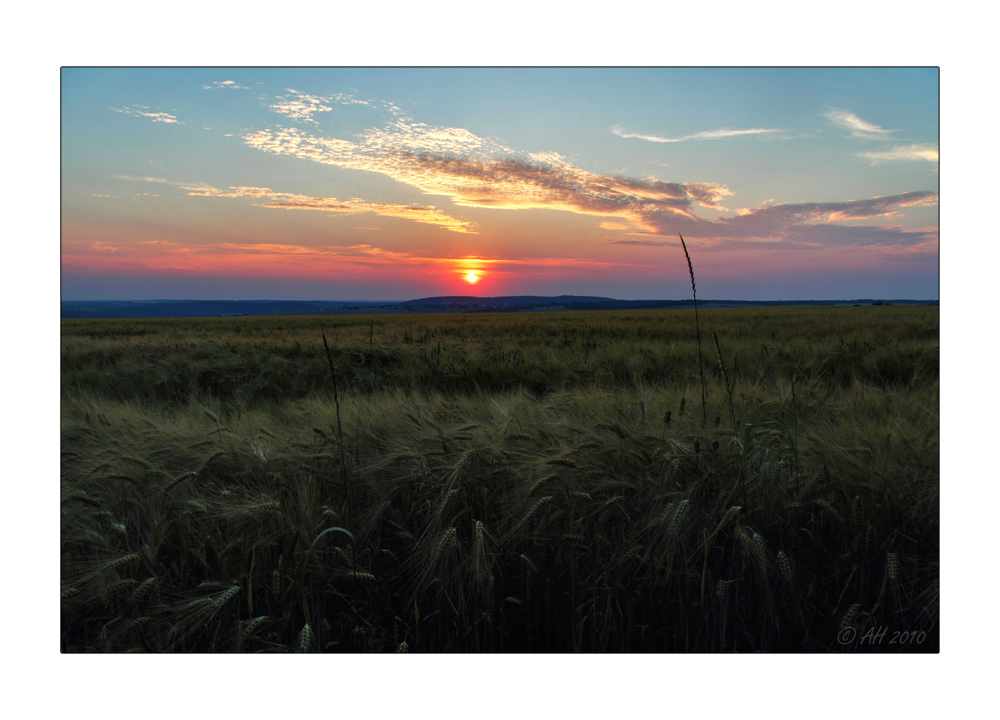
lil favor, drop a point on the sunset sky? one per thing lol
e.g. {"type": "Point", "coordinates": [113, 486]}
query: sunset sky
{"type": "Point", "coordinates": [397, 183]}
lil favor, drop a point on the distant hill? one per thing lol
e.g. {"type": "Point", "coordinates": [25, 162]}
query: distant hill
{"type": "Point", "coordinates": [236, 308]}
{"type": "Point", "coordinates": [452, 303]}
{"type": "Point", "coordinates": [534, 300]}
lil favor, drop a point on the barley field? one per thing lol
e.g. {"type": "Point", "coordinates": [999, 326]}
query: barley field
{"type": "Point", "coordinates": [511, 483]}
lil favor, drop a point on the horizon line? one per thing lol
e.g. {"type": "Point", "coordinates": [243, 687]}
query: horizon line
{"type": "Point", "coordinates": [493, 297]}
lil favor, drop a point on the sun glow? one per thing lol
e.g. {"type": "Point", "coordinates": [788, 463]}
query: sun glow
{"type": "Point", "coordinates": [471, 277]}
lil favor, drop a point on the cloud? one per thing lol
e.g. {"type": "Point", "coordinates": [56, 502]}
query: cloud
{"type": "Point", "coordinates": [480, 172]}
{"type": "Point", "coordinates": [707, 194]}
{"type": "Point", "coordinates": [704, 135]}
{"type": "Point", "coordinates": [134, 178]}
{"type": "Point", "coordinates": [608, 225]}
{"type": "Point", "coordinates": [830, 235]}
{"type": "Point", "coordinates": [817, 223]}
{"type": "Point", "coordinates": [230, 84]}
{"type": "Point", "coordinates": [517, 183]}
{"type": "Point", "coordinates": [292, 201]}
{"type": "Point", "coordinates": [656, 243]}
{"type": "Point", "coordinates": [837, 211]}
{"type": "Point", "coordinates": [904, 153]}
{"type": "Point", "coordinates": [301, 106]}
{"type": "Point", "coordinates": [143, 111]}
{"type": "Point", "coordinates": [858, 127]}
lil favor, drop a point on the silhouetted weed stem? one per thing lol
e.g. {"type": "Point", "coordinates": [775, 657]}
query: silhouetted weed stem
{"type": "Point", "coordinates": [697, 330]}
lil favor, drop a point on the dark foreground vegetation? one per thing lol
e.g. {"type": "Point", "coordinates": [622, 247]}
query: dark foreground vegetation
{"type": "Point", "coordinates": [503, 483]}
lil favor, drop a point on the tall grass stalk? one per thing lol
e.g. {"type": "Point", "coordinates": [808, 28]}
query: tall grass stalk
{"type": "Point", "coordinates": [697, 330]}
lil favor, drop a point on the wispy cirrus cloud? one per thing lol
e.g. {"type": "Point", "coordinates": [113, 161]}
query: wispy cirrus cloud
{"type": "Point", "coordinates": [225, 84]}
{"type": "Point", "coordinates": [925, 152]}
{"type": "Point", "coordinates": [858, 127]}
{"type": "Point", "coordinates": [140, 178]}
{"type": "Point", "coordinates": [704, 135]}
{"type": "Point", "coordinates": [904, 153]}
{"type": "Point", "coordinates": [292, 201]}
{"type": "Point", "coordinates": [143, 111]}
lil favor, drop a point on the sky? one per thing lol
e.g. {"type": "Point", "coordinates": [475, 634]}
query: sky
{"type": "Point", "coordinates": [399, 183]}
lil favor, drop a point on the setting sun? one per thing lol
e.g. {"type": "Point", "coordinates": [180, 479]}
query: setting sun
{"type": "Point", "coordinates": [471, 277]}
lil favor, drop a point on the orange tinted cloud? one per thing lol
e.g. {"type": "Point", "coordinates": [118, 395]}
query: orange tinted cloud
{"type": "Point", "coordinates": [466, 168]}
{"type": "Point", "coordinates": [480, 172]}
{"type": "Point", "coordinates": [293, 201]}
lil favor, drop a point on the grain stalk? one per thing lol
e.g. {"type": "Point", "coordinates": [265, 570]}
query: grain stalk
{"type": "Point", "coordinates": [340, 429]}
{"type": "Point", "coordinates": [730, 386]}
{"type": "Point", "coordinates": [795, 430]}
{"type": "Point", "coordinates": [697, 331]}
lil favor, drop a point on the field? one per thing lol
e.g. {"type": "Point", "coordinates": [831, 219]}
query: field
{"type": "Point", "coordinates": [543, 482]}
